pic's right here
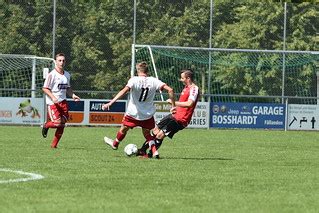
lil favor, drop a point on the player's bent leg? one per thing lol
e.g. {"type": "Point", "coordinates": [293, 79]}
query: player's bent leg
{"type": "Point", "coordinates": [114, 144]}
{"type": "Point", "coordinates": [57, 136]}
{"type": "Point", "coordinates": [148, 137]}
{"type": "Point", "coordinates": [153, 149]}
{"type": "Point", "coordinates": [160, 135]}
{"type": "Point", "coordinates": [157, 144]}
{"type": "Point", "coordinates": [44, 130]}
{"type": "Point", "coordinates": [142, 151]}
{"type": "Point", "coordinates": [146, 132]}
{"type": "Point", "coordinates": [54, 124]}
{"type": "Point", "coordinates": [51, 124]}
{"type": "Point", "coordinates": [155, 131]}
{"type": "Point", "coordinates": [120, 135]}
{"type": "Point", "coordinates": [109, 142]}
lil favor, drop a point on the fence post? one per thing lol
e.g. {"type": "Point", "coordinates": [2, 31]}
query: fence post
{"type": "Point", "coordinates": [284, 54]}
{"type": "Point", "coordinates": [53, 28]}
{"type": "Point", "coordinates": [317, 73]}
{"type": "Point", "coordinates": [210, 53]}
{"type": "Point", "coordinates": [286, 115]}
{"type": "Point", "coordinates": [33, 84]}
{"type": "Point", "coordinates": [134, 41]}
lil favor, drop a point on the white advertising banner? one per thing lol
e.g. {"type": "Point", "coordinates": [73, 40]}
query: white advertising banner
{"type": "Point", "coordinates": [200, 117]}
{"type": "Point", "coordinates": [87, 112]}
{"type": "Point", "coordinates": [21, 110]}
{"type": "Point", "coordinates": [303, 117]}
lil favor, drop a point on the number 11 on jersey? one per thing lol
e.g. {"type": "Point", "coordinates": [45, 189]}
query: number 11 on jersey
{"type": "Point", "coordinates": [143, 95]}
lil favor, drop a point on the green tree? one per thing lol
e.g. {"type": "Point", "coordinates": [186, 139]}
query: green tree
{"type": "Point", "coordinates": [303, 27]}
{"type": "Point", "coordinates": [260, 27]}
{"type": "Point", "coordinates": [97, 36]}
{"type": "Point", "coordinates": [14, 29]}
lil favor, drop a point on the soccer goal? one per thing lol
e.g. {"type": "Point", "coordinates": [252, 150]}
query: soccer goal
{"type": "Point", "coordinates": [236, 74]}
{"type": "Point", "coordinates": [22, 75]}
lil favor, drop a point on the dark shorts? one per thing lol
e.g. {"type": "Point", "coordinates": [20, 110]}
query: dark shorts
{"type": "Point", "coordinates": [169, 126]}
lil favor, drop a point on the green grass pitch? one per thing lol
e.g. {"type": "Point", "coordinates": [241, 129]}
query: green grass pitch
{"type": "Point", "coordinates": [199, 171]}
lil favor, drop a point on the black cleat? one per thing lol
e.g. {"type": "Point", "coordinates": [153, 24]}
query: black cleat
{"type": "Point", "coordinates": [140, 152]}
{"type": "Point", "coordinates": [44, 131]}
{"type": "Point", "coordinates": [150, 154]}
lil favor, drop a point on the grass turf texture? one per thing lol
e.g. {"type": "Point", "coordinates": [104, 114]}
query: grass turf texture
{"type": "Point", "coordinates": [200, 171]}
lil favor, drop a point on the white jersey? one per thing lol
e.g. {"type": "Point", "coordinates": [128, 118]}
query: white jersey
{"type": "Point", "coordinates": [142, 93]}
{"type": "Point", "coordinates": [58, 85]}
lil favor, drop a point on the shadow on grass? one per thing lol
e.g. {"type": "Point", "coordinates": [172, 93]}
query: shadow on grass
{"type": "Point", "coordinates": [193, 158]}
{"type": "Point", "coordinates": [162, 158]}
{"type": "Point", "coordinates": [83, 148]}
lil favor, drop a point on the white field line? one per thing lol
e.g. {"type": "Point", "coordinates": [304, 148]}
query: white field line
{"type": "Point", "coordinates": [31, 176]}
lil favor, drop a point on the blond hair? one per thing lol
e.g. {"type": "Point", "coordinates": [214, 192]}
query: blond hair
{"type": "Point", "coordinates": [142, 67]}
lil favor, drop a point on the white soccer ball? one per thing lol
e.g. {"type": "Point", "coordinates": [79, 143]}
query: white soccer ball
{"type": "Point", "coordinates": [130, 149]}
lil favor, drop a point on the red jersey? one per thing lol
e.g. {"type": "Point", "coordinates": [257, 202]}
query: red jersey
{"type": "Point", "coordinates": [183, 115]}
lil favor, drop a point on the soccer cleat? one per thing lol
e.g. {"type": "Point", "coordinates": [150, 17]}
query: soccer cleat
{"type": "Point", "coordinates": [140, 152]}
{"type": "Point", "coordinates": [154, 152]}
{"type": "Point", "coordinates": [143, 156]}
{"type": "Point", "coordinates": [150, 155]}
{"type": "Point", "coordinates": [109, 142]}
{"type": "Point", "coordinates": [44, 131]}
{"type": "Point", "coordinates": [156, 155]}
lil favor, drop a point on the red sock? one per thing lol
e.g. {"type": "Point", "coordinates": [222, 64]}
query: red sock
{"type": "Point", "coordinates": [149, 137]}
{"type": "Point", "coordinates": [57, 137]}
{"type": "Point", "coordinates": [154, 150]}
{"type": "Point", "coordinates": [120, 136]}
{"type": "Point", "coordinates": [116, 143]}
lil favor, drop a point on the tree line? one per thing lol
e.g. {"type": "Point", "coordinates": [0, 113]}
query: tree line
{"type": "Point", "coordinates": [97, 35]}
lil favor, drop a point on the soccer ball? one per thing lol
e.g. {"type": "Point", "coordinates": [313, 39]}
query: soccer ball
{"type": "Point", "coordinates": [130, 149]}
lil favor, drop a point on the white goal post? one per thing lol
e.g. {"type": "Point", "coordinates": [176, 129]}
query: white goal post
{"type": "Point", "coordinates": [236, 74]}
{"type": "Point", "coordinates": [22, 75]}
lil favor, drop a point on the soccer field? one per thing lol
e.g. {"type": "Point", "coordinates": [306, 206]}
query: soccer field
{"type": "Point", "coordinates": [199, 171]}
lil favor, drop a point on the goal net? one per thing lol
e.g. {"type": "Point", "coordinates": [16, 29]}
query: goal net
{"type": "Point", "coordinates": [22, 75]}
{"type": "Point", "coordinates": [236, 74]}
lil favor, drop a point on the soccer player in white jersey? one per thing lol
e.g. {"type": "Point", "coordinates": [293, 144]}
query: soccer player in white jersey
{"type": "Point", "coordinates": [140, 109]}
{"type": "Point", "coordinates": [57, 87]}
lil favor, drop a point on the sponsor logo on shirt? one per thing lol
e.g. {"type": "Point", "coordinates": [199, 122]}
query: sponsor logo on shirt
{"type": "Point", "coordinates": [63, 86]}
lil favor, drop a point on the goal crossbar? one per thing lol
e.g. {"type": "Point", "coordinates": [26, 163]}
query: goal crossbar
{"type": "Point", "coordinates": [227, 50]}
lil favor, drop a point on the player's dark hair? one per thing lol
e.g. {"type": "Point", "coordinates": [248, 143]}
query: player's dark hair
{"type": "Point", "coordinates": [188, 73]}
{"type": "Point", "coordinates": [59, 54]}
{"type": "Point", "coordinates": [142, 67]}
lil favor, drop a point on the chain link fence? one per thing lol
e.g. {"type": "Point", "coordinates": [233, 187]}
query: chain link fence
{"type": "Point", "coordinates": [97, 36]}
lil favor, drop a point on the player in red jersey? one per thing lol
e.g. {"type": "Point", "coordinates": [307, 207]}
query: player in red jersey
{"type": "Point", "coordinates": [56, 87]}
{"type": "Point", "coordinates": [179, 117]}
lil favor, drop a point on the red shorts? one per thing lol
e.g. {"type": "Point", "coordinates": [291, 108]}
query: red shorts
{"type": "Point", "coordinates": [58, 111]}
{"type": "Point", "coordinates": [132, 122]}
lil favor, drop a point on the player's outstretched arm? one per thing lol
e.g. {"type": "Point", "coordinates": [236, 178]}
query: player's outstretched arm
{"type": "Point", "coordinates": [185, 104]}
{"type": "Point", "coordinates": [171, 95]}
{"type": "Point", "coordinates": [118, 96]}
